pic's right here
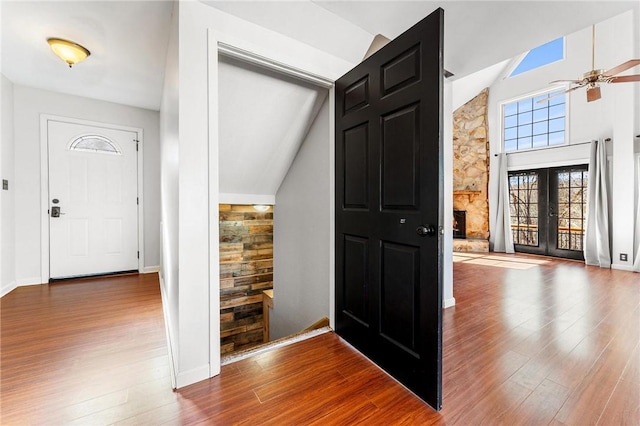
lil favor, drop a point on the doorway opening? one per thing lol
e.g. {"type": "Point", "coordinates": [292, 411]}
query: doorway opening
{"type": "Point", "coordinates": [548, 210]}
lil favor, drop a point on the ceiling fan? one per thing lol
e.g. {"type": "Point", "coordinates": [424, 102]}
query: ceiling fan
{"type": "Point", "coordinates": [592, 79]}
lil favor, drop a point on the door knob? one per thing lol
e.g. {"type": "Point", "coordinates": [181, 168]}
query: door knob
{"type": "Point", "coordinates": [424, 230]}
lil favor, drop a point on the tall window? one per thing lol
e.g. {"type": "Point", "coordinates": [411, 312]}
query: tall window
{"type": "Point", "coordinates": [529, 123]}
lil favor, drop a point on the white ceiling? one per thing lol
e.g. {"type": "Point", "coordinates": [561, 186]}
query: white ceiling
{"type": "Point", "coordinates": [128, 39]}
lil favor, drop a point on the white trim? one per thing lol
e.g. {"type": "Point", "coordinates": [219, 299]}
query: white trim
{"type": "Point", "coordinates": [151, 269]}
{"type": "Point", "coordinates": [44, 185]}
{"type": "Point", "coordinates": [227, 198]}
{"type": "Point", "coordinates": [29, 281]}
{"type": "Point", "coordinates": [140, 155]}
{"type": "Point", "coordinates": [332, 208]}
{"type": "Point", "coordinates": [192, 376]}
{"type": "Point", "coordinates": [449, 303]}
{"type": "Point", "coordinates": [8, 288]}
{"type": "Point", "coordinates": [622, 267]}
{"type": "Point", "coordinates": [214, 204]}
{"type": "Point", "coordinates": [169, 336]}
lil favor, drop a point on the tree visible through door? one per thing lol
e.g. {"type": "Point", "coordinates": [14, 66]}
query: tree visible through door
{"type": "Point", "coordinates": [389, 207]}
{"type": "Point", "coordinates": [548, 210]}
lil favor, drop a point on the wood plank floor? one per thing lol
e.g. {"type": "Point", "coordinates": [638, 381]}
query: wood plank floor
{"type": "Point", "coordinates": [530, 341]}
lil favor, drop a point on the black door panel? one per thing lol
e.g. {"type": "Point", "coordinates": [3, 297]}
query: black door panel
{"type": "Point", "coordinates": [388, 188]}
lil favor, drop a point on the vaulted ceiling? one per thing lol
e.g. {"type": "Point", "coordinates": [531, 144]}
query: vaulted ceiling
{"type": "Point", "coordinates": [128, 39]}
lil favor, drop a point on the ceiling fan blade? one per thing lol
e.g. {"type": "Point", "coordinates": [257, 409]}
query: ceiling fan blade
{"type": "Point", "coordinates": [593, 93]}
{"type": "Point", "coordinates": [565, 81]}
{"type": "Point", "coordinates": [558, 94]}
{"type": "Point", "coordinates": [625, 78]}
{"type": "Point", "coordinates": [622, 67]}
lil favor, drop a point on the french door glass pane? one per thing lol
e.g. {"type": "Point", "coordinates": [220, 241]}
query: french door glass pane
{"type": "Point", "coordinates": [523, 196]}
{"type": "Point", "coordinates": [572, 207]}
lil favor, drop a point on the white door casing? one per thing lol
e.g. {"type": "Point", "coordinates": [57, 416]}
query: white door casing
{"type": "Point", "coordinates": [98, 229]}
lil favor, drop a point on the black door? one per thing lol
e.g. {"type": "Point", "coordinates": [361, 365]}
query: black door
{"type": "Point", "coordinates": [548, 210]}
{"type": "Point", "coordinates": [389, 208]}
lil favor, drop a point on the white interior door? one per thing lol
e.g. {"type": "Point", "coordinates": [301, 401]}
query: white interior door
{"type": "Point", "coordinates": [93, 204]}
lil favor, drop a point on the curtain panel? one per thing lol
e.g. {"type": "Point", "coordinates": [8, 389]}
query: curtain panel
{"type": "Point", "coordinates": [502, 236]}
{"type": "Point", "coordinates": [597, 241]}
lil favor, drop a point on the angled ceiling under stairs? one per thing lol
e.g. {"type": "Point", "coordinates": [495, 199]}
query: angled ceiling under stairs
{"type": "Point", "coordinates": [264, 118]}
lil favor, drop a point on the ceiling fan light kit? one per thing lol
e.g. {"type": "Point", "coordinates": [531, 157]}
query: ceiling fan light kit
{"type": "Point", "coordinates": [70, 52]}
{"type": "Point", "coordinates": [592, 79]}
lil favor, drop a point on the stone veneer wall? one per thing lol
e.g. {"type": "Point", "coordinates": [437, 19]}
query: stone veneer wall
{"type": "Point", "coordinates": [246, 270]}
{"type": "Point", "coordinates": [471, 164]}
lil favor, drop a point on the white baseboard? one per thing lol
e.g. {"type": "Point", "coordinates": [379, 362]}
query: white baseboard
{"type": "Point", "coordinates": [168, 328]}
{"type": "Point", "coordinates": [151, 269]}
{"type": "Point", "coordinates": [8, 288]}
{"type": "Point", "coordinates": [622, 267]}
{"type": "Point", "coordinates": [192, 376]}
{"type": "Point", "coordinates": [30, 281]}
{"type": "Point", "coordinates": [449, 303]}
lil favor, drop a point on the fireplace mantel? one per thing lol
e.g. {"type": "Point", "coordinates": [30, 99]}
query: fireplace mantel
{"type": "Point", "coordinates": [472, 195]}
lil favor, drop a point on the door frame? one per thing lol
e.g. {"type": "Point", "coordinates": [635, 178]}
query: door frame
{"type": "Point", "coordinates": [44, 185]}
{"type": "Point", "coordinates": [219, 43]}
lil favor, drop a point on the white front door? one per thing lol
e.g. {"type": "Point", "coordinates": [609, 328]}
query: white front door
{"type": "Point", "coordinates": [93, 207]}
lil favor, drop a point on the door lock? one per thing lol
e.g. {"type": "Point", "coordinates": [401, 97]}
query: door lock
{"type": "Point", "coordinates": [55, 211]}
{"type": "Point", "coordinates": [424, 230]}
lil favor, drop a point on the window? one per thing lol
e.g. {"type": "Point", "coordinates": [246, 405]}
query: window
{"type": "Point", "coordinates": [540, 56]}
{"type": "Point", "coordinates": [94, 143]}
{"type": "Point", "coordinates": [529, 124]}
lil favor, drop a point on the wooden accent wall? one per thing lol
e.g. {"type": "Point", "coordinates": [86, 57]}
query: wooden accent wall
{"type": "Point", "coordinates": [246, 269]}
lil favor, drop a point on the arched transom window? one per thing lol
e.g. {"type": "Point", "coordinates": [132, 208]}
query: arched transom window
{"type": "Point", "coordinates": [95, 143]}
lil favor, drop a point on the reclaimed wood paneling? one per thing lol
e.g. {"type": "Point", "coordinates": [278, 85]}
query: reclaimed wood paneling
{"type": "Point", "coordinates": [246, 270]}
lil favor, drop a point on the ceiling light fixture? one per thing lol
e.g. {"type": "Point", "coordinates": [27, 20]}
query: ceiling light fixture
{"type": "Point", "coordinates": [70, 52]}
{"type": "Point", "coordinates": [261, 207]}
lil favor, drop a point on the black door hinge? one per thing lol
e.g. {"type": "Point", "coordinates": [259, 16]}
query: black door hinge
{"type": "Point", "coordinates": [138, 255]}
{"type": "Point", "coordinates": [138, 200]}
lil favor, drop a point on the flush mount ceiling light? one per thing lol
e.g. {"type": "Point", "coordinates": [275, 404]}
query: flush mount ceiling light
{"type": "Point", "coordinates": [261, 207]}
{"type": "Point", "coordinates": [68, 51]}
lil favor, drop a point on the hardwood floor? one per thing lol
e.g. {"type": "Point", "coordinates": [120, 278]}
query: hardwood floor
{"type": "Point", "coordinates": [531, 340]}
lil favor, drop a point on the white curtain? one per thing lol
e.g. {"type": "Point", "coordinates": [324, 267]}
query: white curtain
{"type": "Point", "coordinates": [597, 249]}
{"type": "Point", "coordinates": [636, 263]}
{"type": "Point", "coordinates": [502, 236]}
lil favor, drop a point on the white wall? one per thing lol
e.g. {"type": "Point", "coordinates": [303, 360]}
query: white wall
{"type": "Point", "coordinates": [613, 116]}
{"type": "Point", "coordinates": [303, 208]}
{"type": "Point", "coordinates": [7, 198]}
{"type": "Point", "coordinates": [169, 158]}
{"type": "Point", "coordinates": [29, 104]}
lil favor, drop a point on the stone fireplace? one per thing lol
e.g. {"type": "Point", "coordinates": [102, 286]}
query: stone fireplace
{"type": "Point", "coordinates": [471, 173]}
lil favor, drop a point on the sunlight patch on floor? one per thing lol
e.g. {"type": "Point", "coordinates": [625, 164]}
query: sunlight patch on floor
{"type": "Point", "coordinates": [509, 262]}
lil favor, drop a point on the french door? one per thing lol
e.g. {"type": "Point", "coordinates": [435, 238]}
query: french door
{"type": "Point", "coordinates": [548, 210]}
